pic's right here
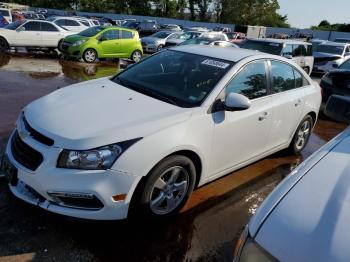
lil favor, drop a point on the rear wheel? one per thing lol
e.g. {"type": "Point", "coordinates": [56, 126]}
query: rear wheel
{"type": "Point", "coordinates": [167, 187]}
{"type": "Point", "coordinates": [90, 55]}
{"type": "Point", "coordinates": [302, 135]}
{"type": "Point", "coordinates": [4, 46]}
{"type": "Point", "coordinates": [136, 56]}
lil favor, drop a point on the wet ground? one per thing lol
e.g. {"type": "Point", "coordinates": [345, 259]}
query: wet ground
{"type": "Point", "coordinates": [206, 229]}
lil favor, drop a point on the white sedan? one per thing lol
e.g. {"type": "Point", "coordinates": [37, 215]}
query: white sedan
{"type": "Point", "coordinates": [33, 34]}
{"type": "Point", "coordinates": [138, 143]}
{"type": "Point", "coordinates": [306, 218]}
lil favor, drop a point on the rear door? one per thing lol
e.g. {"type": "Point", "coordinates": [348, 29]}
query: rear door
{"type": "Point", "coordinates": [126, 43]}
{"type": "Point", "coordinates": [288, 100]}
{"type": "Point", "coordinates": [51, 35]}
{"type": "Point", "coordinates": [29, 34]}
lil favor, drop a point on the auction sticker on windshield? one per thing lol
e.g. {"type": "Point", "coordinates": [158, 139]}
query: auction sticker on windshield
{"type": "Point", "coordinates": [215, 63]}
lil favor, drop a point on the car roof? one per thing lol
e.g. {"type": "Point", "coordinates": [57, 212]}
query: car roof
{"type": "Point", "coordinates": [280, 41]}
{"type": "Point", "coordinates": [234, 54]}
{"type": "Point", "coordinates": [335, 44]}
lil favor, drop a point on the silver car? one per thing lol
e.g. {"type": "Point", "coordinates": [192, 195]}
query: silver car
{"type": "Point", "coordinates": [156, 42]}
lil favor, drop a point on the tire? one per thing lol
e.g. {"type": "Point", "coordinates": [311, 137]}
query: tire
{"type": "Point", "coordinates": [4, 46]}
{"type": "Point", "coordinates": [167, 188]}
{"type": "Point", "coordinates": [160, 47]}
{"type": "Point", "coordinates": [59, 46]}
{"type": "Point", "coordinates": [136, 56]}
{"type": "Point", "coordinates": [90, 55]}
{"type": "Point", "coordinates": [302, 135]}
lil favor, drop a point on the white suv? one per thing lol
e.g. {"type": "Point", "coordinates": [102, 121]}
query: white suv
{"type": "Point", "coordinates": [32, 34]}
{"type": "Point", "coordinates": [138, 143]}
{"type": "Point", "coordinates": [69, 23]}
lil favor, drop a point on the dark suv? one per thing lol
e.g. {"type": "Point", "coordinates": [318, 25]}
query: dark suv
{"type": "Point", "coordinates": [147, 27]}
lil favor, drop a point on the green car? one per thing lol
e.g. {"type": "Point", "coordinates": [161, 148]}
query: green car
{"type": "Point", "coordinates": [103, 42]}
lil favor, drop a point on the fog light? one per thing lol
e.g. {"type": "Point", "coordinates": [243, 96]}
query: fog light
{"type": "Point", "coordinates": [76, 200]}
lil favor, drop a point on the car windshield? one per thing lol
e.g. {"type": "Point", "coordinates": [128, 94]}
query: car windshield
{"type": "Point", "coordinates": [330, 49]}
{"type": "Point", "coordinates": [345, 65]}
{"type": "Point", "coordinates": [91, 31]}
{"type": "Point", "coordinates": [197, 41]}
{"type": "Point", "coordinates": [14, 25]}
{"type": "Point", "coordinates": [178, 78]}
{"type": "Point", "coordinates": [184, 36]}
{"type": "Point", "coordinates": [263, 46]}
{"type": "Point", "coordinates": [161, 34]}
{"type": "Point", "coordinates": [4, 12]}
{"type": "Point", "coordinates": [51, 18]}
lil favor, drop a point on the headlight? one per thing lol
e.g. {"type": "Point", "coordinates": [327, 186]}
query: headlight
{"type": "Point", "coordinates": [98, 158]}
{"type": "Point", "coordinates": [248, 251]}
{"type": "Point", "coordinates": [79, 43]}
{"type": "Point", "coordinates": [326, 79]}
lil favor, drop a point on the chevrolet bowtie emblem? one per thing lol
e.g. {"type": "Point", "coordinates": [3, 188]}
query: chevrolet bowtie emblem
{"type": "Point", "coordinates": [22, 135]}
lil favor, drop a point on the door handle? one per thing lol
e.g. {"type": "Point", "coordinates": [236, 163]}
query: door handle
{"type": "Point", "coordinates": [263, 116]}
{"type": "Point", "coordinates": [298, 103]}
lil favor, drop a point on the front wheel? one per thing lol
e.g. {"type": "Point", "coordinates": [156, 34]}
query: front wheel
{"type": "Point", "coordinates": [136, 56]}
{"type": "Point", "coordinates": [302, 135]}
{"type": "Point", "coordinates": [90, 55]}
{"type": "Point", "coordinates": [4, 46]}
{"type": "Point", "coordinates": [168, 187]}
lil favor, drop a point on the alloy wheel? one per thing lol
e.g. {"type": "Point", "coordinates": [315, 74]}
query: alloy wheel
{"type": "Point", "coordinates": [90, 56]}
{"type": "Point", "coordinates": [136, 56]}
{"type": "Point", "coordinates": [303, 135]}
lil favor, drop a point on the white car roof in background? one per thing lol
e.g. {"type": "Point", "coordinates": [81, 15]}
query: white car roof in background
{"type": "Point", "coordinates": [280, 41]}
{"type": "Point", "coordinates": [230, 54]}
{"type": "Point", "coordinates": [329, 43]}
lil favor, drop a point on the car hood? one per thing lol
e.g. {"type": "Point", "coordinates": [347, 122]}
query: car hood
{"type": "Point", "coordinates": [100, 112]}
{"type": "Point", "coordinates": [323, 55]}
{"type": "Point", "coordinates": [176, 41]}
{"type": "Point", "coordinates": [74, 38]}
{"type": "Point", "coordinates": [311, 222]}
{"type": "Point", "coordinates": [151, 39]}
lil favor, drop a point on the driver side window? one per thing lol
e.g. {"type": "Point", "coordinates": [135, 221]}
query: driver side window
{"type": "Point", "coordinates": [251, 81]}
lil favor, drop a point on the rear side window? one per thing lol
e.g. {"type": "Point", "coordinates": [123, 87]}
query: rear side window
{"type": "Point", "coordinates": [251, 81]}
{"type": "Point", "coordinates": [282, 77]}
{"type": "Point", "coordinates": [86, 23]}
{"type": "Point", "coordinates": [127, 34]}
{"type": "Point", "coordinates": [32, 26]}
{"type": "Point", "coordinates": [48, 27]}
{"type": "Point", "coordinates": [299, 50]}
{"type": "Point", "coordinates": [71, 23]}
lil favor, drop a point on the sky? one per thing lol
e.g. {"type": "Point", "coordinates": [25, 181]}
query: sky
{"type": "Point", "coordinates": [305, 13]}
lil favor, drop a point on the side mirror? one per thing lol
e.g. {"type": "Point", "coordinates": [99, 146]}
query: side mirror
{"type": "Point", "coordinates": [235, 102]}
{"type": "Point", "coordinates": [288, 56]}
{"type": "Point", "coordinates": [338, 108]}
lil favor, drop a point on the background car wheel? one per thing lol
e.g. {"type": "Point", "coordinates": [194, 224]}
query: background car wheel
{"type": "Point", "coordinates": [167, 187]}
{"type": "Point", "coordinates": [136, 56]}
{"type": "Point", "coordinates": [160, 47]}
{"type": "Point", "coordinates": [302, 135]}
{"type": "Point", "coordinates": [59, 46]}
{"type": "Point", "coordinates": [90, 55]}
{"type": "Point", "coordinates": [4, 46]}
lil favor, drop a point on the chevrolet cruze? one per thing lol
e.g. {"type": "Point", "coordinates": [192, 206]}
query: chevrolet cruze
{"type": "Point", "coordinates": [140, 142]}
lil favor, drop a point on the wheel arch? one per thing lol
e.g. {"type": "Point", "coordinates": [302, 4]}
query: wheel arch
{"type": "Point", "coordinates": [313, 116]}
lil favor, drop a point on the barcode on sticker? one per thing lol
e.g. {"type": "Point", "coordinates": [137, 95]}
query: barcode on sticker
{"type": "Point", "coordinates": [218, 64]}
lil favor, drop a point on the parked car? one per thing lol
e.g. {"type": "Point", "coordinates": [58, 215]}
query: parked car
{"type": "Point", "coordinates": [217, 35]}
{"type": "Point", "coordinates": [32, 34]}
{"type": "Point", "coordinates": [298, 51]}
{"type": "Point", "coordinates": [3, 21]}
{"type": "Point", "coordinates": [306, 217]}
{"type": "Point", "coordinates": [68, 23]}
{"type": "Point", "coordinates": [196, 28]}
{"type": "Point", "coordinates": [172, 27]}
{"type": "Point", "coordinates": [222, 29]}
{"type": "Point", "coordinates": [177, 39]}
{"type": "Point", "coordinates": [5, 12]}
{"type": "Point", "coordinates": [147, 27]}
{"type": "Point", "coordinates": [342, 40]}
{"type": "Point", "coordinates": [138, 143]}
{"type": "Point", "coordinates": [236, 37]}
{"type": "Point", "coordinates": [208, 41]}
{"type": "Point", "coordinates": [316, 42]}
{"type": "Point", "coordinates": [330, 55]}
{"type": "Point", "coordinates": [156, 42]}
{"type": "Point", "coordinates": [336, 81]}
{"type": "Point", "coordinates": [87, 21]}
{"type": "Point", "coordinates": [131, 24]}
{"type": "Point", "coordinates": [103, 42]}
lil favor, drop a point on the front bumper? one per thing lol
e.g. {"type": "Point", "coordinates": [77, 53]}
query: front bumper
{"type": "Point", "coordinates": [71, 51]}
{"type": "Point", "coordinates": [34, 187]}
{"type": "Point", "coordinates": [149, 48]}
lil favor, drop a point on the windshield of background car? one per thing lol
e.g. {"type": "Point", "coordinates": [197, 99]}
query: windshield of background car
{"type": "Point", "coordinates": [14, 25]}
{"type": "Point", "coordinates": [51, 18]}
{"type": "Point", "coordinates": [4, 12]}
{"type": "Point", "coordinates": [183, 36]}
{"type": "Point", "coordinates": [345, 65]}
{"type": "Point", "coordinates": [91, 31]}
{"type": "Point", "coordinates": [197, 41]}
{"type": "Point", "coordinates": [263, 46]}
{"type": "Point", "coordinates": [161, 35]}
{"type": "Point", "coordinates": [330, 49]}
{"type": "Point", "coordinates": [178, 78]}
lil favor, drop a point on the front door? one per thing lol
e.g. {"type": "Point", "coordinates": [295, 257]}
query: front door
{"type": "Point", "coordinates": [242, 135]}
{"type": "Point", "coordinates": [109, 44]}
{"type": "Point", "coordinates": [127, 43]}
{"type": "Point", "coordinates": [29, 34]}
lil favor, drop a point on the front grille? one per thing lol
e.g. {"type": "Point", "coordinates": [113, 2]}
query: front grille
{"type": "Point", "coordinates": [36, 135]}
{"type": "Point", "coordinates": [24, 154]}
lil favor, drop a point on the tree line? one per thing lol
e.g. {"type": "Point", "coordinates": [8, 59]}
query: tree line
{"type": "Point", "coordinates": [327, 26]}
{"type": "Point", "coordinates": [243, 12]}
